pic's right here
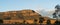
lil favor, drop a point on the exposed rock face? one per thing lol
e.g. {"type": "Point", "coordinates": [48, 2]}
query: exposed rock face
{"type": "Point", "coordinates": [19, 16]}
{"type": "Point", "coordinates": [22, 14]}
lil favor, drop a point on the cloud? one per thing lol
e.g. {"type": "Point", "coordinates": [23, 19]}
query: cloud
{"type": "Point", "coordinates": [45, 12]}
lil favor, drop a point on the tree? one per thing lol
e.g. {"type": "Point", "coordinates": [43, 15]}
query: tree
{"type": "Point", "coordinates": [41, 19]}
{"type": "Point", "coordinates": [54, 15]}
{"type": "Point", "coordinates": [57, 7]}
{"type": "Point", "coordinates": [48, 22]}
{"type": "Point", "coordinates": [1, 21]}
{"type": "Point", "coordinates": [57, 23]}
{"type": "Point", "coordinates": [35, 21]}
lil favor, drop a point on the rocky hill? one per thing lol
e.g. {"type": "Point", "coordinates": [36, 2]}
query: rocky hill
{"type": "Point", "coordinates": [29, 16]}
{"type": "Point", "coordinates": [22, 14]}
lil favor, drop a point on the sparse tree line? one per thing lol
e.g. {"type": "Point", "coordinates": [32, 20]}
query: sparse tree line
{"type": "Point", "coordinates": [35, 22]}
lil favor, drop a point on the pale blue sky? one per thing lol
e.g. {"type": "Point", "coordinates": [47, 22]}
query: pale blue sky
{"type": "Point", "coordinates": [27, 4]}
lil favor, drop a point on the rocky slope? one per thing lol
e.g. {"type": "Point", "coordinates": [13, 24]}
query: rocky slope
{"type": "Point", "coordinates": [22, 14]}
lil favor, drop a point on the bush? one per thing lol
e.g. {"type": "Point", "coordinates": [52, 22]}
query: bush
{"type": "Point", "coordinates": [41, 19]}
{"type": "Point", "coordinates": [35, 21]}
{"type": "Point", "coordinates": [57, 23]}
{"type": "Point", "coordinates": [48, 22]}
{"type": "Point", "coordinates": [1, 21]}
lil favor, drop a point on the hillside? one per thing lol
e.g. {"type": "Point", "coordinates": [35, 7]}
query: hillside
{"type": "Point", "coordinates": [22, 14]}
{"type": "Point", "coordinates": [29, 16]}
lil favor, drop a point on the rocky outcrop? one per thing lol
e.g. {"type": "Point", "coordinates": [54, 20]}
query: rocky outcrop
{"type": "Point", "coordinates": [22, 14]}
{"type": "Point", "coordinates": [28, 16]}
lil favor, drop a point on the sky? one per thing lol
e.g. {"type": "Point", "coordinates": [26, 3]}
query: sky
{"type": "Point", "coordinates": [43, 5]}
{"type": "Point", "coordinates": [7, 5]}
